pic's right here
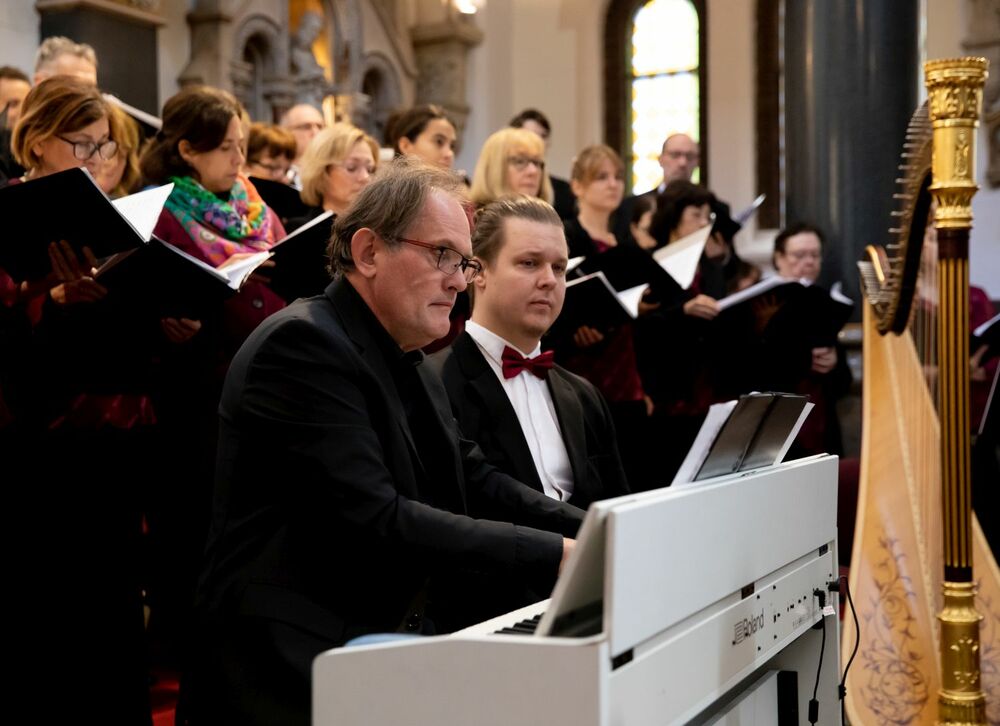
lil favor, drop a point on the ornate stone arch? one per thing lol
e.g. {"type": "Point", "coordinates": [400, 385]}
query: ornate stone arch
{"type": "Point", "coordinates": [381, 84]}
{"type": "Point", "coordinates": [259, 67]}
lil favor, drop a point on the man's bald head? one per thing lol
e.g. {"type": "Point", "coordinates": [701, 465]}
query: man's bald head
{"type": "Point", "coordinates": [304, 121]}
{"type": "Point", "coordinates": [679, 157]}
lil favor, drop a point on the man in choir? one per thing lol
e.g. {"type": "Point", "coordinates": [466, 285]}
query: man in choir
{"type": "Point", "coordinates": [304, 121]}
{"type": "Point", "coordinates": [343, 489]}
{"type": "Point", "coordinates": [60, 56]}
{"type": "Point", "coordinates": [545, 426]}
{"type": "Point", "coordinates": [679, 157]}
{"type": "Point", "coordinates": [536, 122]}
{"type": "Point", "coordinates": [14, 86]}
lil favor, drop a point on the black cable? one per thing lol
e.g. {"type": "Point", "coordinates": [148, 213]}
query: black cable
{"type": "Point", "coordinates": [842, 689]}
{"type": "Point", "coordinates": [814, 704]}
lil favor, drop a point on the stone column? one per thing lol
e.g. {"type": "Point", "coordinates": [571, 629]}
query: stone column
{"type": "Point", "coordinates": [850, 86]}
{"type": "Point", "coordinates": [211, 45]}
{"type": "Point", "coordinates": [442, 53]}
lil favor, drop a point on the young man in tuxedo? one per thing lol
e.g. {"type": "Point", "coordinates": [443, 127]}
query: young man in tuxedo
{"type": "Point", "coordinates": [343, 489]}
{"type": "Point", "coordinates": [534, 420]}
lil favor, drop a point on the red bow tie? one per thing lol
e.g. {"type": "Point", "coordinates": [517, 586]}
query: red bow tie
{"type": "Point", "coordinates": [514, 363]}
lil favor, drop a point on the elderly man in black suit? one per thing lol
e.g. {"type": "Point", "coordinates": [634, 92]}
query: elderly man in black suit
{"type": "Point", "coordinates": [534, 420]}
{"type": "Point", "coordinates": [343, 489]}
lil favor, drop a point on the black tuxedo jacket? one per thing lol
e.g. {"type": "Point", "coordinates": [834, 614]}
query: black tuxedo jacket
{"type": "Point", "coordinates": [328, 522]}
{"type": "Point", "coordinates": [486, 416]}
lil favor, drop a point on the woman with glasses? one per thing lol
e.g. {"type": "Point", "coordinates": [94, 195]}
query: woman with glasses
{"type": "Point", "coordinates": [424, 132]}
{"type": "Point", "coordinates": [512, 161]}
{"type": "Point", "coordinates": [82, 361]}
{"type": "Point", "coordinates": [338, 163]}
{"type": "Point", "coordinates": [270, 152]}
{"type": "Point", "coordinates": [119, 176]}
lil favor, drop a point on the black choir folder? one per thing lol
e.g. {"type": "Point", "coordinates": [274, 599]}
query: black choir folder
{"type": "Point", "coordinates": [283, 198]}
{"type": "Point", "coordinates": [180, 285]}
{"type": "Point", "coordinates": [750, 433]}
{"type": "Point", "coordinates": [591, 300]}
{"type": "Point", "coordinates": [70, 206]}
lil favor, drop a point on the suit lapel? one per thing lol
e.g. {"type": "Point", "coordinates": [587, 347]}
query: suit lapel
{"type": "Point", "coordinates": [497, 410]}
{"type": "Point", "coordinates": [348, 304]}
{"type": "Point", "coordinates": [570, 415]}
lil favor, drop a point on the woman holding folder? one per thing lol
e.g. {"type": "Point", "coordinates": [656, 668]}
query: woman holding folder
{"type": "Point", "coordinates": [214, 214]}
{"type": "Point", "coordinates": [607, 357]}
{"type": "Point", "coordinates": [84, 426]}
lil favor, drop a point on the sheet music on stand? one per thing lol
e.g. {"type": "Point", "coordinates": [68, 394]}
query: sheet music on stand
{"type": "Point", "coordinates": [753, 432]}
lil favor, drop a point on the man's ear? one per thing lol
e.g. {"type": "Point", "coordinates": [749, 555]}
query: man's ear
{"type": "Point", "coordinates": [363, 248]}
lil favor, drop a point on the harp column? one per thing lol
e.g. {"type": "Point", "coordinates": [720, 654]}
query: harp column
{"type": "Point", "coordinates": [955, 98]}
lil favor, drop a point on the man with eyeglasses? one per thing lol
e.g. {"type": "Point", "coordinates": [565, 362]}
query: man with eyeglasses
{"type": "Point", "coordinates": [344, 490]}
{"type": "Point", "coordinates": [679, 157]}
{"type": "Point", "coordinates": [304, 121]}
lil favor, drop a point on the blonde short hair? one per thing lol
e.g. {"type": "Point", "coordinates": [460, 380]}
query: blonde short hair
{"type": "Point", "coordinates": [58, 45]}
{"type": "Point", "coordinates": [329, 146]}
{"type": "Point", "coordinates": [489, 181]}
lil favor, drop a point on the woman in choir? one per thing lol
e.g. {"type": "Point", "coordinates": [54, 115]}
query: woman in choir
{"type": "Point", "coordinates": [215, 215]}
{"type": "Point", "coordinates": [512, 161]}
{"type": "Point", "coordinates": [119, 176]}
{"type": "Point", "coordinates": [270, 152]}
{"type": "Point", "coordinates": [84, 444]}
{"type": "Point", "coordinates": [425, 132]}
{"type": "Point", "coordinates": [338, 163]}
{"type": "Point", "coordinates": [607, 357]}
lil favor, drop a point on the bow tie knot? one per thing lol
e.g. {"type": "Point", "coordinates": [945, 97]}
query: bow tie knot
{"type": "Point", "coordinates": [514, 363]}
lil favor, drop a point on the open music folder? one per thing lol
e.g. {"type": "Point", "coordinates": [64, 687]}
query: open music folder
{"type": "Point", "coordinates": [70, 206]}
{"type": "Point", "coordinates": [752, 432]}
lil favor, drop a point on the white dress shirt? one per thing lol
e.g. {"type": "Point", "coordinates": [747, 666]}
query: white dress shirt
{"type": "Point", "coordinates": [532, 402]}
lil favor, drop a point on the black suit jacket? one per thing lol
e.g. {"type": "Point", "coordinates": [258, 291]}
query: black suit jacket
{"type": "Point", "coordinates": [486, 416]}
{"type": "Point", "coordinates": [328, 521]}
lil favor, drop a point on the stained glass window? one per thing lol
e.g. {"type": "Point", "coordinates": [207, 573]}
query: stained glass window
{"type": "Point", "coordinates": [665, 98]}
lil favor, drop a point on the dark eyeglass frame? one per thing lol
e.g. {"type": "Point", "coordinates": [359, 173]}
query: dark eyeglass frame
{"type": "Point", "coordinates": [521, 162]}
{"type": "Point", "coordinates": [470, 268]}
{"type": "Point", "coordinates": [83, 150]}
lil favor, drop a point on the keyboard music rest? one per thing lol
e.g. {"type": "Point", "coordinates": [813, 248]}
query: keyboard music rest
{"type": "Point", "coordinates": [703, 586]}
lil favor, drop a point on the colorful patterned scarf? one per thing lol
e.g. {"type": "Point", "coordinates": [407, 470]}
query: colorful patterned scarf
{"type": "Point", "coordinates": [221, 229]}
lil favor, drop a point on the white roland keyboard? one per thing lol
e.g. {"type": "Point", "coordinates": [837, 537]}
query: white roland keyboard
{"type": "Point", "coordinates": [675, 605]}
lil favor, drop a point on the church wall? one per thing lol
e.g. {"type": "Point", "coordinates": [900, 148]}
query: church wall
{"type": "Point", "coordinates": [174, 45]}
{"type": "Point", "coordinates": [947, 23]}
{"type": "Point", "coordinates": [18, 35]}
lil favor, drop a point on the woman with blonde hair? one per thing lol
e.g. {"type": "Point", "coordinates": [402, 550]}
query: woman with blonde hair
{"type": "Point", "coordinates": [338, 163]}
{"type": "Point", "coordinates": [512, 161]}
{"type": "Point", "coordinates": [120, 176]}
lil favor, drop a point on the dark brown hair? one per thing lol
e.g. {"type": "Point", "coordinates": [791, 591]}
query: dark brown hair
{"type": "Point", "coordinates": [409, 124]}
{"type": "Point", "coordinates": [670, 206]}
{"type": "Point", "coordinates": [199, 115]}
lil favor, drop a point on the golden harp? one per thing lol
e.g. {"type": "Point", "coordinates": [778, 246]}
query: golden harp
{"type": "Point", "coordinates": [929, 648]}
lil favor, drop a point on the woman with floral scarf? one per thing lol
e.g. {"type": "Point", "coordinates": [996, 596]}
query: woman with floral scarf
{"type": "Point", "coordinates": [214, 214]}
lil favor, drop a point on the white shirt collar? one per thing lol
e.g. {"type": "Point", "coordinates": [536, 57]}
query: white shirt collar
{"type": "Point", "coordinates": [492, 344]}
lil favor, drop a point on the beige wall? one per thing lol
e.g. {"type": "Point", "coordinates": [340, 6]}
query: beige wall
{"type": "Point", "coordinates": [946, 26]}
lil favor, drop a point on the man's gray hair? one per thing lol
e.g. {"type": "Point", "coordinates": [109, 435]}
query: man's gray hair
{"type": "Point", "coordinates": [57, 45]}
{"type": "Point", "coordinates": [390, 203]}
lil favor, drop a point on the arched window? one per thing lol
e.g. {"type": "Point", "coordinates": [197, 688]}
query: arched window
{"type": "Point", "coordinates": [655, 81]}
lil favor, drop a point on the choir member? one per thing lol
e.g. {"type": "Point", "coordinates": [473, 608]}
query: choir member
{"type": "Point", "coordinates": [512, 161]}
{"type": "Point", "coordinates": [425, 132]}
{"type": "Point", "coordinates": [270, 152]}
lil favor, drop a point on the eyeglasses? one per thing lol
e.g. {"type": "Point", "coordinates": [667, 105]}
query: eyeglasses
{"type": "Point", "coordinates": [449, 261]}
{"type": "Point", "coordinates": [521, 162]}
{"type": "Point", "coordinates": [83, 150]}
{"type": "Point", "coordinates": [308, 126]}
{"type": "Point", "coordinates": [354, 168]}
{"type": "Point", "coordinates": [270, 168]}
{"type": "Point", "coordinates": [800, 255]}
{"type": "Point", "coordinates": [691, 156]}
